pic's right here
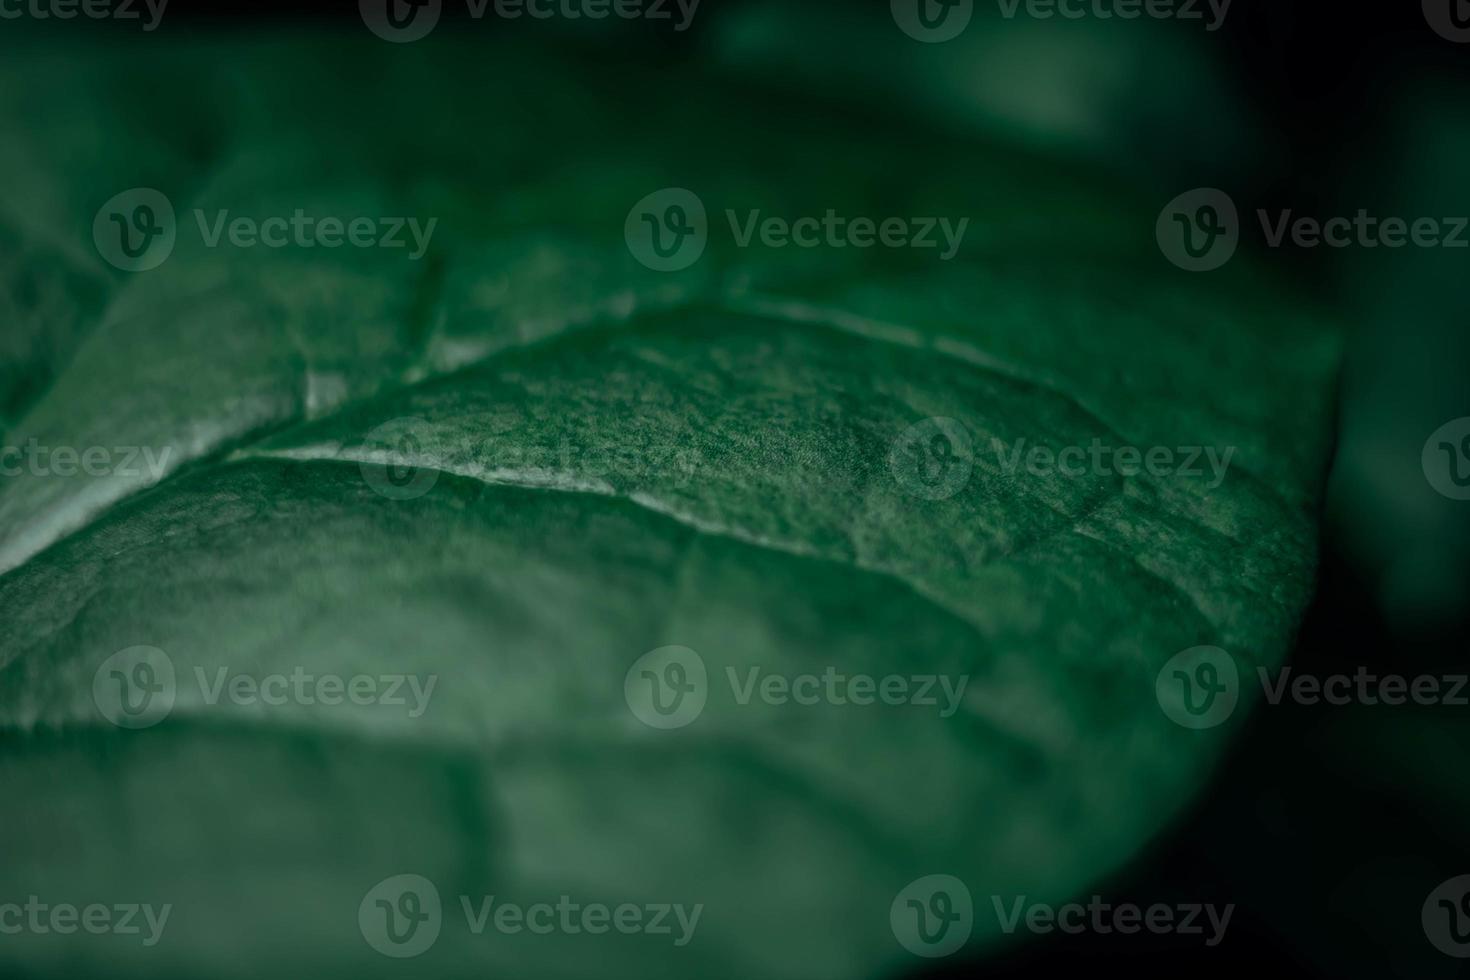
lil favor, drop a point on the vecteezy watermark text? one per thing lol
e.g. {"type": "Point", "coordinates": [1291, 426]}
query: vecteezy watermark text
{"type": "Point", "coordinates": [668, 231]}
{"type": "Point", "coordinates": [136, 230]}
{"type": "Point", "coordinates": [302, 230]}
{"type": "Point", "coordinates": [1100, 459]}
{"type": "Point", "coordinates": [1200, 230]}
{"type": "Point", "coordinates": [669, 688]}
{"type": "Point", "coordinates": [934, 459]}
{"type": "Point", "coordinates": [936, 21]}
{"type": "Point", "coordinates": [36, 917]}
{"type": "Point", "coordinates": [401, 459]}
{"type": "Point", "coordinates": [148, 12]}
{"type": "Point", "coordinates": [570, 917]}
{"type": "Point", "coordinates": [39, 460]}
{"type": "Point", "coordinates": [402, 916]}
{"type": "Point", "coordinates": [1102, 918]}
{"type": "Point", "coordinates": [139, 686]}
{"type": "Point", "coordinates": [1211, 12]}
{"type": "Point", "coordinates": [403, 21]}
{"type": "Point", "coordinates": [1200, 687]}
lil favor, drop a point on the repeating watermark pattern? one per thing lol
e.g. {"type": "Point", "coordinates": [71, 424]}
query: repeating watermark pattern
{"type": "Point", "coordinates": [833, 230]}
{"type": "Point", "coordinates": [402, 917]}
{"type": "Point", "coordinates": [1446, 917]}
{"type": "Point", "coordinates": [302, 230]}
{"type": "Point", "coordinates": [669, 688]}
{"type": "Point", "coordinates": [1446, 459]}
{"type": "Point", "coordinates": [937, 21]}
{"type": "Point", "coordinates": [932, 459]}
{"type": "Point", "coordinates": [1200, 687]}
{"type": "Point", "coordinates": [1100, 459]}
{"type": "Point", "coordinates": [39, 460]}
{"type": "Point", "coordinates": [148, 13]}
{"type": "Point", "coordinates": [833, 687]}
{"type": "Point", "coordinates": [1450, 19]}
{"type": "Point", "coordinates": [669, 230]}
{"type": "Point", "coordinates": [1200, 229]}
{"type": "Point", "coordinates": [1364, 687]}
{"type": "Point", "coordinates": [39, 918]}
{"type": "Point", "coordinates": [932, 21]}
{"type": "Point", "coordinates": [935, 458]}
{"type": "Point", "coordinates": [1211, 13]}
{"type": "Point", "coordinates": [136, 230]}
{"type": "Point", "coordinates": [135, 687]}
{"type": "Point", "coordinates": [1104, 918]}
{"type": "Point", "coordinates": [384, 452]}
{"type": "Point", "coordinates": [932, 916]}
{"type": "Point", "coordinates": [403, 21]}
{"type": "Point", "coordinates": [398, 461]}
{"type": "Point", "coordinates": [138, 688]}
{"type": "Point", "coordinates": [1362, 230]}
{"type": "Point", "coordinates": [567, 916]}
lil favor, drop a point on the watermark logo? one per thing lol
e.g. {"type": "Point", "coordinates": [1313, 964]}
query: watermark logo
{"type": "Point", "coordinates": [136, 687]}
{"type": "Point", "coordinates": [135, 230]}
{"type": "Point", "coordinates": [667, 688]}
{"type": "Point", "coordinates": [149, 12]}
{"type": "Point", "coordinates": [1446, 917]}
{"type": "Point", "coordinates": [1104, 918]}
{"type": "Point", "coordinates": [302, 230]}
{"type": "Point", "coordinates": [387, 458]}
{"type": "Point", "coordinates": [40, 918]}
{"type": "Point", "coordinates": [833, 687]}
{"type": "Point", "coordinates": [571, 917]}
{"type": "Point", "coordinates": [668, 230]}
{"type": "Point", "coordinates": [1101, 459]}
{"type": "Point", "coordinates": [400, 21]}
{"type": "Point", "coordinates": [403, 459]}
{"type": "Point", "coordinates": [932, 21]}
{"type": "Point", "coordinates": [1198, 688]}
{"type": "Point", "coordinates": [1199, 230]}
{"type": "Point", "coordinates": [41, 460]}
{"type": "Point", "coordinates": [1446, 459]}
{"type": "Point", "coordinates": [401, 916]}
{"type": "Point", "coordinates": [936, 21]}
{"type": "Point", "coordinates": [613, 461]}
{"type": "Point", "coordinates": [1212, 12]}
{"type": "Point", "coordinates": [835, 231]}
{"type": "Point", "coordinates": [403, 21]}
{"type": "Point", "coordinates": [932, 459]}
{"type": "Point", "coordinates": [932, 916]}
{"type": "Point", "coordinates": [1365, 688]}
{"type": "Point", "coordinates": [1450, 19]}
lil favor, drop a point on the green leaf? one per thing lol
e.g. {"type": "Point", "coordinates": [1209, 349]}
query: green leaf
{"type": "Point", "coordinates": [603, 460]}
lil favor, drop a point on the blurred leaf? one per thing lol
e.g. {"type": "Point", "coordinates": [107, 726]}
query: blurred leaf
{"type": "Point", "coordinates": [613, 460]}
